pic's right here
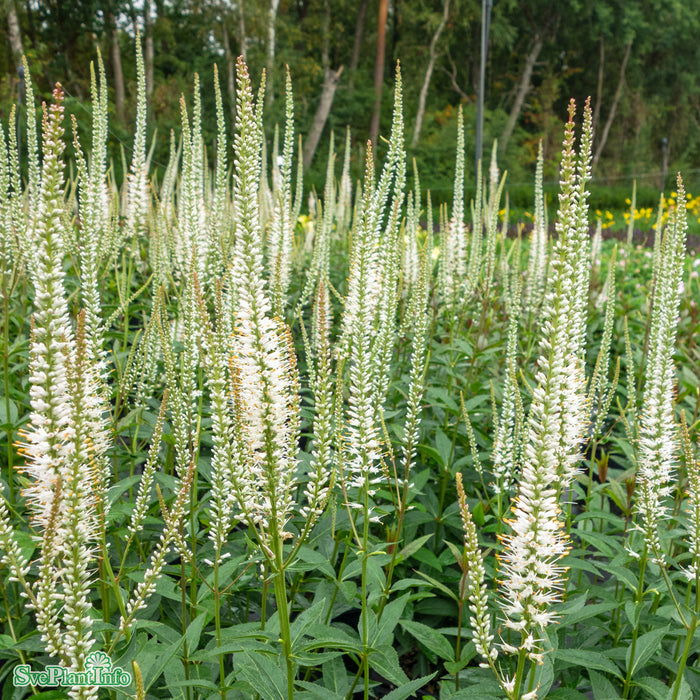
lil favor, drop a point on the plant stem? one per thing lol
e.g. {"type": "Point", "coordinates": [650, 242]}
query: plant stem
{"type": "Point", "coordinates": [690, 633]}
{"type": "Point", "coordinates": [635, 632]}
{"type": "Point", "coordinates": [217, 623]}
{"type": "Point", "coordinates": [365, 608]}
{"type": "Point", "coordinates": [283, 608]}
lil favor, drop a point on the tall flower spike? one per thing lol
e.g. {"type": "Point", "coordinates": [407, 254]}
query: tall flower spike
{"type": "Point", "coordinates": [478, 598]}
{"type": "Point", "coordinates": [532, 578]}
{"type": "Point", "coordinates": [369, 320]}
{"type": "Point", "coordinates": [454, 256]}
{"type": "Point", "coordinates": [321, 473]}
{"type": "Point", "coordinates": [34, 182]}
{"type": "Point", "coordinates": [491, 214]}
{"type": "Point", "coordinates": [219, 222]}
{"type": "Point", "coordinates": [266, 382]}
{"type": "Point", "coordinates": [692, 467]}
{"type": "Point", "coordinates": [47, 448]}
{"type": "Point", "coordinates": [282, 224]}
{"type": "Point", "coordinates": [658, 443]}
{"type": "Point", "coordinates": [475, 246]}
{"type": "Point", "coordinates": [537, 264]}
{"type": "Point", "coordinates": [137, 194]}
{"type": "Point", "coordinates": [508, 431]}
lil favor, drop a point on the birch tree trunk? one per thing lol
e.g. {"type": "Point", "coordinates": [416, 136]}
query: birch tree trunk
{"type": "Point", "coordinates": [523, 89]}
{"type": "Point", "coordinates": [428, 74]}
{"type": "Point", "coordinates": [379, 70]}
{"type": "Point", "coordinates": [270, 65]}
{"type": "Point", "coordinates": [230, 71]}
{"type": "Point", "coordinates": [330, 83]}
{"type": "Point", "coordinates": [149, 57]}
{"type": "Point", "coordinates": [613, 108]}
{"type": "Point", "coordinates": [116, 66]}
{"type": "Point", "coordinates": [242, 38]}
{"type": "Point", "coordinates": [13, 31]}
{"type": "Point", "coordinates": [331, 78]}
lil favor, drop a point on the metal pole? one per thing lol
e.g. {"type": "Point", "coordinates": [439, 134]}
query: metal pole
{"type": "Point", "coordinates": [486, 6]}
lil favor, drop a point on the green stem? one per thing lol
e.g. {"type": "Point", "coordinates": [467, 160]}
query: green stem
{"type": "Point", "coordinates": [518, 680]}
{"type": "Point", "coordinates": [690, 633]}
{"type": "Point", "coordinates": [635, 632]}
{"type": "Point", "coordinates": [458, 648]}
{"type": "Point", "coordinates": [283, 610]}
{"type": "Point", "coordinates": [217, 624]}
{"type": "Point", "coordinates": [365, 610]}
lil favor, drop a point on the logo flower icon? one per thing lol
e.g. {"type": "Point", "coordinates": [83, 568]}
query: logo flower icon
{"type": "Point", "coordinates": [98, 659]}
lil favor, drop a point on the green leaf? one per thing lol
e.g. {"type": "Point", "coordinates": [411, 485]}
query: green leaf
{"type": "Point", "coordinates": [457, 553]}
{"type": "Point", "coordinates": [118, 489]}
{"type": "Point", "coordinates": [603, 689]}
{"type": "Point", "coordinates": [566, 694]}
{"type": "Point", "coordinates": [426, 556]}
{"type": "Point", "coordinates": [380, 632]}
{"type": "Point", "coordinates": [311, 616]}
{"type": "Point", "coordinates": [314, 690]}
{"type": "Point", "coordinates": [685, 692]}
{"type": "Point", "coordinates": [5, 420]}
{"type": "Point", "coordinates": [429, 638]}
{"type": "Point", "coordinates": [235, 647]}
{"type": "Point", "coordinates": [385, 661]}
{"type": "Point", "coordinates": [656, 688]}
{"type": "Point", "coordinates": [195, 683]}
{"type": "Point", "coordinates": [431, 452]}
{"type": "Point", "coordinates": [647, 645]}
{"type": "Point", "coordinates": [466, 655]}
{"type": "Point", "coordinates": [335, 676]}
{"type": "Point", "coordinates": [413, 547]}
{"type": "Point", "coordinates": [444, 447]}
{"type": "Point", "coordinates": [27, 544]}
{"type": "Point", "coordinates": [408, 689]}
{"type": "Point", "coordinates": [604, 544]}
{"type": "Point", "coordinates": [624, 575]}
{"type": "Point", "coordinates": [263, 674]}
{"type": "Point", "coordinates": [324, 636]}
{"type": "Point", "coordinates": [315, 560]}
{"type": "Point", "coordinates": [587, 612]}
{"type": "Point", "coordinates": [588, 659]}
{"type": "Point", "coordinates": [194, 631]}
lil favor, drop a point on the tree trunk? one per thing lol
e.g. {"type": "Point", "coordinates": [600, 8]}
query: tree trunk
{"type": "Point", "coordinates": [270, 65]}
{"type": "Point", "coordinates": [357, 45]}
{"type": "Point", "coordinates": [13, 31]}
{"type": "Point", "coordinates": [116, 67]}
{"type": "Point", "coordinates": [230, 71]}
{"type": "Point", "coordinates": [330, 83]}
{"type": "Point", "coordinates": [379, 70]}
{"type": "Point", "coordinates": [242, 38]}
{"type": "Point", "coordinates": [149, 57]}
{"type": "Point", "coordinates": [428, 75]}
{"type": "Point", "coordinates": [599, 90]}
{"type": "Point", "coordinates": [331, 79]}
{"type": "Point", "coordinates": [613, 107]}
{"type": "Point", "coordinates": [523, 89]}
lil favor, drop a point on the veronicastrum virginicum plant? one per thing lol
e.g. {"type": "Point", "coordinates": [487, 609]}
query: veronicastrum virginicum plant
{"type": "Point", "coordinates": [237, 371]}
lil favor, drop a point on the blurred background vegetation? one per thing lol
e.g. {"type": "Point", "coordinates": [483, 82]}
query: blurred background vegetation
{"type": "Point", "coordinates": [639, 61]}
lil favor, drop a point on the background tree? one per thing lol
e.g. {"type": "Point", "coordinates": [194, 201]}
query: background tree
{"type": "Point", "coordinates": [639, 61]}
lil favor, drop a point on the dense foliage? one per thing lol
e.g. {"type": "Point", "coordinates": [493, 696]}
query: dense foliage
{"type": "Point", "coordinates": [576, 49]}
{"type": "Point", "coordinates": [372, 447]}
